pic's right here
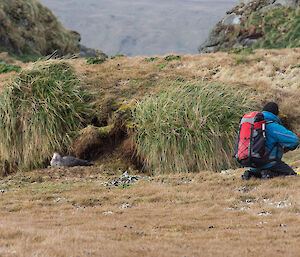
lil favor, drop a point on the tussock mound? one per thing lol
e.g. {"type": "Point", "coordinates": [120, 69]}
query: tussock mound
{"type": "Point", "coordinates": [189, 128]}
{"type": "Point", "coordinates": [39, 109]}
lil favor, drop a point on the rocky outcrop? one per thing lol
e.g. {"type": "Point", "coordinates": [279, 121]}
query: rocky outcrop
{"type": "Point", "coordinates": [256, 24]}
{"type": "Point", "coordinates": [29, 30]}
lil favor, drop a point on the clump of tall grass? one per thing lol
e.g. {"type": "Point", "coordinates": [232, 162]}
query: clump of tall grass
{"type": "Point", "coordinates": [38, 110]}
{"type": "Point", "coordinates": [190, 128]}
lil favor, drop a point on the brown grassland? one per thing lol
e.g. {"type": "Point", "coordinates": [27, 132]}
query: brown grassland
{"type": "Point", "coordinates": [70, 212]}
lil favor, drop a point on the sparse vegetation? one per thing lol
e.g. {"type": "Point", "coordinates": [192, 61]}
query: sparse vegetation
{"type": "Point", "coordinates": [189, 128]}
{"type": "Point", "coordinates": [182, 214]}
{"type": "Point", "coordinates": [95, 60]}
{"type": "Point", "coordinates": [172, 58]}
{"type": "Point", "coordinates": [161, 65]}
{"type": "Point", "coordinates": [38, 109]}
{"type": "Point", "coordinates": [117, 56]}
{"type": "Point", "coordinates": [241, 59]}
{"type": "Point", "coordinates": [151, 59]}
{"type": "Point", "coordinates": [242, 50]}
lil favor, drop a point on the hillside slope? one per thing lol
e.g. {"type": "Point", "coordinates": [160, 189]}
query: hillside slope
{"type": "Point", "coordinates": [92, 211]}
{"type": "Point", "coordinates": [117, 84]}
{"type": "Point", "coordinates": [30, 30]}
{"type": "Point", "coordinates": [257, 24]}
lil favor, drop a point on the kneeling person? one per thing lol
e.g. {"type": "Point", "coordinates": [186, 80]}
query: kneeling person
{"type": "Point", "coordinates": [278, 141]}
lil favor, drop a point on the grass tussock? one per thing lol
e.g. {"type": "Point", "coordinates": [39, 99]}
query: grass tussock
{"type": "Point", "coordinates": [39, 108]}
{"type": "Point", "coordinates": [189, 128]}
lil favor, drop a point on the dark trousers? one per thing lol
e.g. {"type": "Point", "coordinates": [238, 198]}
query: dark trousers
{"type": "Point", "coordinates": [279, 169]}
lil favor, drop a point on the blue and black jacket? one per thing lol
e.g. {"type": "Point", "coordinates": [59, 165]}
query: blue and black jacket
{"type": "Point", "coordinates": [277, 138]}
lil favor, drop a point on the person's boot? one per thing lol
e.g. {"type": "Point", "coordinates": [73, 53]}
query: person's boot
{"type": "Point", "coordinates": [267, 174]}
{"type": "Point", "coordinates": [247, 175]}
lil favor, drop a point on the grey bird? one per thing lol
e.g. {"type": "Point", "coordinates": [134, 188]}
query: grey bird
{"type": "Point", "coordinates": [67, 161]}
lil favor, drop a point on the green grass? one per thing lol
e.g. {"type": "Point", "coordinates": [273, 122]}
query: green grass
{"type": "Point", "coordinates": [38, 110]}
{"type": "Point", "coordinates": [4, 68]}
{"type": "Point", "coordinates": [95, 60]}
{"type": "Point", "coordinates": [172, 58]}
{"type": "Point", "coordinates": [241, 59]}
{"type": "Point", "coordinates": [242, 50]}
{"type": "Point", "coordinates": [189, 128]}
{"type": "Point", "coordinates": [281, 28]}
{"type": "Point", "coordinates": [117, 56]}
{"type": "Point", "coordinates": [151, 59]}
{"type": "Point", "coordinates": [161, 65]}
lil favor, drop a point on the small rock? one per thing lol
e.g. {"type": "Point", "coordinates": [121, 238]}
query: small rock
{"type": "Point", "coordinates": [280, 73]}
{"type": "Point", "coordinates": [226, 171]}
{"type": "Point", "coordinates": [231, 19]}
{"type": "Point", "coordinates": [107, 213]}
{"type": "Point", "coordinates": [282, 225]}
{"type": "Point", "coordinates": [264, 213]}
{"type": "Point", "coordinates": [78, 207]}
{"type": "Point", "coordinates": [262, 223]}
{"type": "Point", "coordinates": [58, 199]}
{"type": "Point", "coordinates": [125, 206]}
{"type": "Point", "coordinates": [281, 204]}
{"type": "Point", "coordinates": [243, 189]}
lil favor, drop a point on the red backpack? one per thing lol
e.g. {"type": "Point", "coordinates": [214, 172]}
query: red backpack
{"type": "Point", "coordinates": [251, 150]}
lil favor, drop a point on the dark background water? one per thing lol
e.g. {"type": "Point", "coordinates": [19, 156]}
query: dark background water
{"type": "Point", "coordinates": [141, 27]}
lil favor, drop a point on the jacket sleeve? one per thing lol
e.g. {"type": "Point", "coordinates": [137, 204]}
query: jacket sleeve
{"type": "Point", "coordinates": [286, 137]}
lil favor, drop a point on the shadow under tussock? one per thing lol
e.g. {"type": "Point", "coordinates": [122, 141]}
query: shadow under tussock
{"type": "Point", "coordinates": [95, 144]}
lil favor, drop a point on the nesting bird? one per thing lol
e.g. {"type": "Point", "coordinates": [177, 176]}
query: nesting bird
{"type": "Point", "coordinates": [67, 161]}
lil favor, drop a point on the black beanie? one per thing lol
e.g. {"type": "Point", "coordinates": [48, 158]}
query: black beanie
{"type": "Point", "coordinates": [271, 107]}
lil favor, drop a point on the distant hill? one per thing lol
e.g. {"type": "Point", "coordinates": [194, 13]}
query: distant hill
{"type": "Point", "coordinates": [257, 24]}
{"type": "Point", "coordinates": [29, 30]}
{"type": "Point", "coordinates": [141, 27]}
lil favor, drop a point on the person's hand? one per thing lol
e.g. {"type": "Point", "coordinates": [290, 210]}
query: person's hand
{"type": "Point", "coordinates": [285, 149]}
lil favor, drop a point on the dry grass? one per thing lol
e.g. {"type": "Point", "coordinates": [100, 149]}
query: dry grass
{"type": "Point", "coordinates": [40, 108]}
{"type": "Point", "coordinates": [270, 72]}
{"type": "Point", "coordinates": [206, 214]}
{"type": "Point", "coordinates": [61, 212]}
{"type": "Point", "coordinates": [190, 127]}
